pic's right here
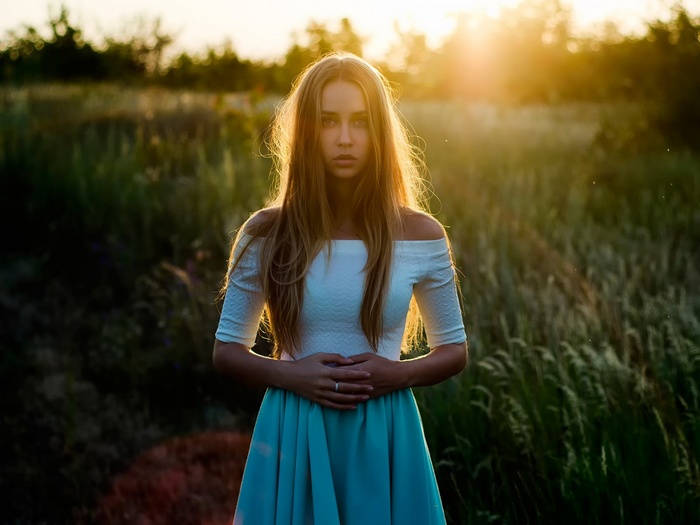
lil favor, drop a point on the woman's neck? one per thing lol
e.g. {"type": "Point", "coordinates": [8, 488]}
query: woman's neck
{"type": "Point", "coordinates": [342, 190]}
{"type": "Point", "coordinates": [341, 195]}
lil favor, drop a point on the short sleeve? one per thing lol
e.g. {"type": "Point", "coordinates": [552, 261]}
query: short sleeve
{"type": "Point", "coordinates": [244, 300]}
{"type": "Point", "coordinates": [436, 295]}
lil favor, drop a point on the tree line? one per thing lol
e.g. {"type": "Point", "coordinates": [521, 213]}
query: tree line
{"type": "Point", "coordinates": [528, 54]}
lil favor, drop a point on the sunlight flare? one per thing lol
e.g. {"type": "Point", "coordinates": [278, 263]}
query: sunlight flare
{"type": "Point", "coordinates": [437, 19]}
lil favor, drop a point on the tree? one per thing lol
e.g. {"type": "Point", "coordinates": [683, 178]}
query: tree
{"type": "Point", "coordinates": [64, 56]}
{"type": "Point", "coordinates": [411, 64]}
{"type": "Point", "coordinates": [317, 41]}
{"type": "Point", "coordinates": [677, 52]}
{"type": "Point", "coordinates": [139, 50]}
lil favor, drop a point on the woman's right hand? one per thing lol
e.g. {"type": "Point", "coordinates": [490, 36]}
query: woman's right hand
{"type": "Point", "coordinates": [315, 378]}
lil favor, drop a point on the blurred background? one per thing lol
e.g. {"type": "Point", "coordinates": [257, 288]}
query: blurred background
{"type": "Point", "coordinates": [562, 141]}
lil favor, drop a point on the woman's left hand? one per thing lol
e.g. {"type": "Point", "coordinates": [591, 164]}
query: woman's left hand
{"type": "Point", "coordinates": [385, 374]}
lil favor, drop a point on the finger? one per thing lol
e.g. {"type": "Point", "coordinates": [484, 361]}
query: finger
{"type": "Point", "coordinates": [351, 375]}
{"type": "Point", "coordinates": [359, 385]}
{"type": "Point", "coordinates": [334, 358]}
{"type": "Point", "coordinates": [346, 399]}
{"type": "Point", "coordinates": [361, 358]}
{"type": "Point", "coordinates": [351, 388]}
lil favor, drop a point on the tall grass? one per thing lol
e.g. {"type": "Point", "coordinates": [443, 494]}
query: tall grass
{"type": "Point", "coordinates": [579, 274]}
{"type": "Point", "coordinates": [580, 286]}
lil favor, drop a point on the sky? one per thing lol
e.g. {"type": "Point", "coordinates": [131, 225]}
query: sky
{"type": "Point", "coordinates": [263, 29]}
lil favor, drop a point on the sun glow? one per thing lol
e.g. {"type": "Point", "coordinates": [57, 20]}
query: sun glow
{"type": "Point", "coordinates": [264, 30]}
{"type": "Point", "coordinates": [437, 19]}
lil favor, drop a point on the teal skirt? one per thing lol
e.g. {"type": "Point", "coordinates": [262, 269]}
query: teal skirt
{"type": "Point", "coordinates": [313, 465]}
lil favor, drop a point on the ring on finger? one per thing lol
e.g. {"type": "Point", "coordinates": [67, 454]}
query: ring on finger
{"type": "Point", "coordinates": [336, 386]}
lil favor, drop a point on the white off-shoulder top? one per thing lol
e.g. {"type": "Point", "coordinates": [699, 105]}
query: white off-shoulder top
{"type": "Point", "coordinates": [330, 315]}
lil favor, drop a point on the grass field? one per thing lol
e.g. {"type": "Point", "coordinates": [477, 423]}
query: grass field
{"type": "Point", "coordinates": [578, 251]}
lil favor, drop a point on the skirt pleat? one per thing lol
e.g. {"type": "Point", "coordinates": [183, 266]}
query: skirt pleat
{"type": "Point", "coordinates": [310, 465]}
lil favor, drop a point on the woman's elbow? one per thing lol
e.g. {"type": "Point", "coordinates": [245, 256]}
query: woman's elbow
{"type": "Point", "coordinates": [463, 361]}
{"type": "Point", "coordinates": [455, 358]}
{"type": "Point", "coordinates": [218, 357]}
{"type": "Point", "coordinates": [458, 357]}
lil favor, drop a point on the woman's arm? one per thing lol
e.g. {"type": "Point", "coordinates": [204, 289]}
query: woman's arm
{"type": "Point", "coordinates": [313, 377]}
{"type": "Point", "coordinates": [434, 367]}
{"type": "Point", "coordinates": [439, 364]}
{"type": "Point", "coordinates": [436, 295]}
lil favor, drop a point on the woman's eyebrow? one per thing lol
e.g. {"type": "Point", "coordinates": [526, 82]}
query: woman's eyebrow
{"type": "Point", "coordinates": [354, 113]}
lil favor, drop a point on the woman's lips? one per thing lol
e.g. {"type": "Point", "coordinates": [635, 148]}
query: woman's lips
{"type": "Point", "coordinates": [344, 159]}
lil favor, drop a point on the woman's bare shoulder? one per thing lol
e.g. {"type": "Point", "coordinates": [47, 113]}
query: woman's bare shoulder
{"type": "Point", "coordinates": [419, 226]}
{"type": "Point", "coordinates": [260, 222]}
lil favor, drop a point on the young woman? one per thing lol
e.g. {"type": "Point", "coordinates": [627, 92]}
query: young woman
{"type": "Point", "coordinates": [339, 262]}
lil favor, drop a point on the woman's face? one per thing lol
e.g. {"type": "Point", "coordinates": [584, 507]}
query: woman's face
{"type": "Point", "coordinates": [345, 141]}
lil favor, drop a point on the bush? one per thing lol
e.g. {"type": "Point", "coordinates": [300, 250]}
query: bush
{"type": "Point", "coordinates": [186, 481]}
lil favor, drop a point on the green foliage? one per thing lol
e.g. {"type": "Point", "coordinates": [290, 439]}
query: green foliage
{"type": "Point", "coordinates": [578, 269]}
{"type": "Point", "coordinates": [317, 41]}
{"type": "Point", "coordinates": [579, 287]}
{"type": "Point", "coordinates": [120, 202]}
{"type": "Point", "coordinates": [136, 57]}
{"type": "Point", "coordinates": [217, 70]}
{"type": "Point", "coordinates": [526, 55]}
{"type": "Point", "coordinates": [65, 55]}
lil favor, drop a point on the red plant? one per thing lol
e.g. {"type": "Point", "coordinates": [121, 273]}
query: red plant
{"type": "Point", "coordinates": [187, 481]}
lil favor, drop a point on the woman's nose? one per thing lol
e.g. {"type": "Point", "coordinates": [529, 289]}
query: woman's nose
{"type": "Point", "coordinates": [344, 136]}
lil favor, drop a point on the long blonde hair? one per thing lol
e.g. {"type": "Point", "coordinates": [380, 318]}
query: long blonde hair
{"type": "Point", "coordinates": [301, 219]}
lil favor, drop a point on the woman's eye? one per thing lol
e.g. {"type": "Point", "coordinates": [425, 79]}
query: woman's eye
{"type": "Point", "coordinates": [326, 122]}
{"type": "Point", "coordinates": [361, 123]}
